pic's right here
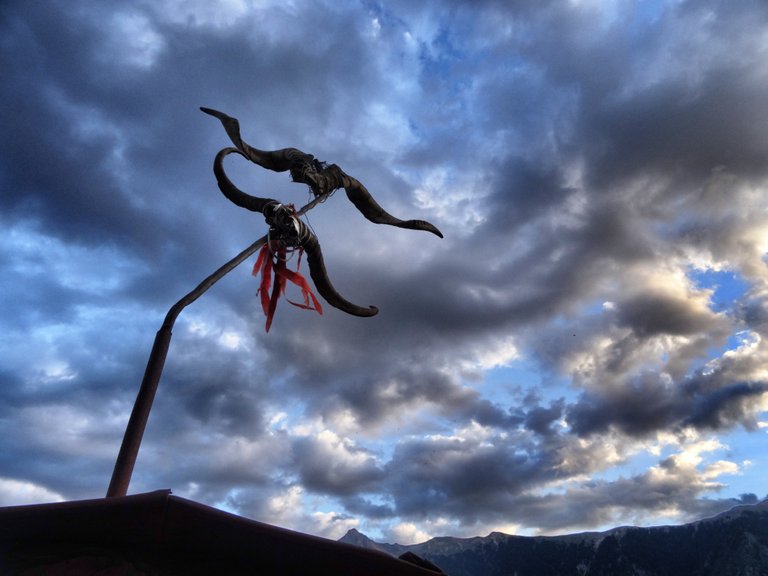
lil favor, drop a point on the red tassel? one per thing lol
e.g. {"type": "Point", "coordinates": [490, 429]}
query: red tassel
{"type": "Point", "coordinates": [263, 266]}
{"type": "Point", "coordinates": [274, 259]}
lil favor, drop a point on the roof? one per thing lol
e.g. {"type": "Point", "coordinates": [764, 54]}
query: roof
{"type": "Point", "coordinates": [160, 534]}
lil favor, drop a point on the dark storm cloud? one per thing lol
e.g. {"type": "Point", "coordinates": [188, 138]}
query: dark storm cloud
{"type": "Point", "coordinates": [448, 476]}
{"type": "Point", "coordinates": [376, 386]}
{"type": "Point", "coordinates": [600, 503]}
{"type": "Point", "coordinates": [362, 507]}
{"type": "Point", "coordinates": [474, 479]}
{"type": "Point", "coordinates": [93, 126]}
{"type": "Point", "coordinates": [60, 171]}
{"type": "Point", "coordinates": [728, 406]}
{"type": "Point", "coordinates": [755, 313]}
{"type": "Point", "coordinates": [327, 466]}
{"type": "Point", "coordinates": [540, 420]}
{"type": "Point", "coordinates": [650, 404]}
{"type": "Point", "coordinates": [652, 314]}
{"type": "Point", "coordinates": [496, 480]}
{"type": "Point", "coordinates": [219, 395]}
{"type": "Point", "coordinates": [49, 301]}
{"type": "Point", "coordinates": [525, 189]}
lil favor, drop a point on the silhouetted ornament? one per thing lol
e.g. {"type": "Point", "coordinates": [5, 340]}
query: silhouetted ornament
{"type": "Point", "coordinates": [287, 232]}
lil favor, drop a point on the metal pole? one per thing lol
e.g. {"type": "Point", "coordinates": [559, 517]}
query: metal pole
{"type": "Point", "coordinates": [134, 431]}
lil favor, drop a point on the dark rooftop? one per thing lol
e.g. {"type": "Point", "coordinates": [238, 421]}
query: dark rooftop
{"type": "Point", "coordinates": [159, 534]}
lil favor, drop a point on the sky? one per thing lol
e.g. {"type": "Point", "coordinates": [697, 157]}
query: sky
{"type": "Point", "coordinates": [585, 348]}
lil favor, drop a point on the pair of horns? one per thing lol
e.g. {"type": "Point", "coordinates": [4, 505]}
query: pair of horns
{"type": "Point", "coordinates": [322, 180]}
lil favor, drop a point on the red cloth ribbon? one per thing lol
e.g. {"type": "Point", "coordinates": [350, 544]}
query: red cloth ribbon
{"type": "Point", "coordinates": [273, 258]}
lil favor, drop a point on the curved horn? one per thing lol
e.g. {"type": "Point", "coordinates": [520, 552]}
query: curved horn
{"type": "Point", "coordinates": [276, 160]}
{"type": "Point", "coordinates": [322, 180]}
{"type": "Point", "coordinates": [368, 207]}
{"type": "Point", "coordinates": [231, 191]}
{"type": "Point", "coordinates": [323, 284]}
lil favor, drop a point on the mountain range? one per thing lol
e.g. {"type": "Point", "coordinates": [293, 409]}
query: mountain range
{"type": "Point", "coordinates": [729, 544]}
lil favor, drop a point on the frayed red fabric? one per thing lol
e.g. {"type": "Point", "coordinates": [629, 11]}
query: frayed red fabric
{"type": "Point", "coordinates": [271, 265]}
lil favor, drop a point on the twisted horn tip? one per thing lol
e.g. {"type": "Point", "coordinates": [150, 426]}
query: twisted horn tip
{"type": "Point", "coordinates": [436, 232]}
{"type": "Point", "coordinates": [422, 225]}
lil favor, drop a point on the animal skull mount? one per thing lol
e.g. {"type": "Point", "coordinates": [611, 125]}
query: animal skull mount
{"type": "Point", "coordinates": [286, 230]}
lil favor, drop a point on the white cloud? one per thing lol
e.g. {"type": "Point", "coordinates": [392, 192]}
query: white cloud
{"type": "Point", "coordinates": [407, 533]}
{"type": "Point", "coordinates": [70, 430]}
{"type": "Point", "coordinates": [285, 508]}
{"type": "Point", "coordinates": [331, 525]}
{"type": "Point", "coordinates": [135, 40]}
{"type": "Point", "coordinates": [219, 14]}
{"type": "Point", "coordinates": [19, 493]}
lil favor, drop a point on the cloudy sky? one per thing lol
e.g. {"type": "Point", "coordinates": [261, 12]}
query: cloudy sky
{"type": "Point", "coordinates": [586, 347]}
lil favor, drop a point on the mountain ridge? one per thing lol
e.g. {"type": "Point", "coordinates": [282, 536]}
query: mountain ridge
{"type": "Point", "coordinates": [729, 543]}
